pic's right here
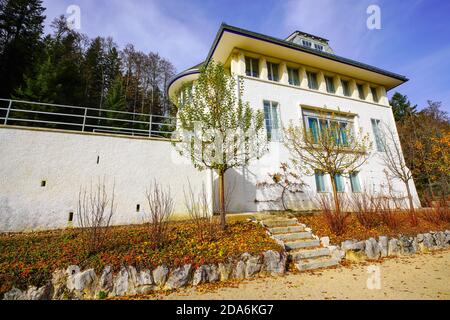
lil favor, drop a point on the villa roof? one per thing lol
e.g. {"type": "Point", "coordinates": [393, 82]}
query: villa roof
{"type": "Point", "coordinates": [387, 78]}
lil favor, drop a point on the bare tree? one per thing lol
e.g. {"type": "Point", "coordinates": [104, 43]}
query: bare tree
{"type": "Point", "coordinates": [332, 149]}
{"type": "Point", "coordinates": [95, 211]}
{"type": "Point", "coordinates": [161, 207]}
{"type": "Point", "coordinates": [392, 157]}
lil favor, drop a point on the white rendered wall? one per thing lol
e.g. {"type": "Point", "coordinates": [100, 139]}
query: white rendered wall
{"type": "Point", "coordinates": [67, 161]}
{"type": "Point", "coordinates": [290, 99]}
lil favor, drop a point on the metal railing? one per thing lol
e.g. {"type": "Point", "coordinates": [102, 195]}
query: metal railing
{"type": "Point", "coordinates": [57, 116]}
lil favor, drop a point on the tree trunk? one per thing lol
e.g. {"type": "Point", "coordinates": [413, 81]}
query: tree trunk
{"type": "Point", "coordinates": [222, 199]}
{"type": "Point", "coordinates": [337, 205]}
{"type": "Point", "coordinates": [410, 199]}
{"type": "Point", "coordinates": [283, 194]}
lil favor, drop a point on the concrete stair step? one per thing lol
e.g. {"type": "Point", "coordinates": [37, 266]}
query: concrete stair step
{"type": "Point", "coordinates": [280, 222]}
{"type": "Point", "coordinates": [302, 244]}
{"type": "Point", "coordinates": [309, 253]}
{"type": "Point", "coordinates": [311, 264]}
{"type": "Point", "coordinates": [291, 229]}
{"type": "Point", "coordinates": [293, 236]}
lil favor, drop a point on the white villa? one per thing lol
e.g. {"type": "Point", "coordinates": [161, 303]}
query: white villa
{"type": "Point", "coordinates": [292, 79]}
{"type": "Point", "coordinates": [296, 79]}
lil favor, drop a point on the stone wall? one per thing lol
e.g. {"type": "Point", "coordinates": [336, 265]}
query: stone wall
{"type": "Point", "coordinates": [76, 284]}
{"type": "Point", "coordinates": [372, 249]}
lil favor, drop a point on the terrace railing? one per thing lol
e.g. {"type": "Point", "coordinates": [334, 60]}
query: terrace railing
{"type": "Point", "coordinates": [75, 118]}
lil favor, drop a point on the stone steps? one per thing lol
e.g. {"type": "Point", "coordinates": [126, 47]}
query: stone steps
{"type": "Point", "coordinates": [293, 236]}
{"type": "Point", "coordinates": [297, 255]}
{"type": "Point", "coordinates": [304, 249]}
{"type": "Point", "coordinates": [291, 229]}
{"type": "Point", "coordinates": [280, 222]}
{"type": "Point", "coordinates": [317, 263]}
{"type": "Point", "coordinates": [299, 244]}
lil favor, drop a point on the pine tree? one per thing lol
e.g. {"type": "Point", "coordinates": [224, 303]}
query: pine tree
{"type": "Point", "coordinates": [21, 30]}
{"type": "Point", "coordinates": [401, 107]}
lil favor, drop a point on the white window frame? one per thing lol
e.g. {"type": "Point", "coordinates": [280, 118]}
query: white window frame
{"type": "Point", "coordinates": [252, 72]}
{"type": "Point", "coordinates": [271, 66]}
{"type": "Point", "coordinates": [376, 130]}
{"type": "Point", "coordinates": [274, 134]}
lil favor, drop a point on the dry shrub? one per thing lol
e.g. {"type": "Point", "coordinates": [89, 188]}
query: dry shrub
{"type": "Point", "coordinates": [363, 206]}
{"type": "Point", "coordinates": [388, 215]}
{"type": "Point", "coordinates": [161, 208]}
{"type": "Point", "coordinates": [437, 212]}
{"type": "Point", "coordinates": [200, 211]}
{"type": "Point", "coordinates": [95, 211]}
{"type": "Point", "coordinates": [336, 221]}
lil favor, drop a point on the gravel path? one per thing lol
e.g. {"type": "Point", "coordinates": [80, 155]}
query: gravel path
{"type": "Point", "coordinates": [424, 276]}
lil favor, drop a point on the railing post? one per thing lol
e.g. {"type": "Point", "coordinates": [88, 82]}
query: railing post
{"type": "Point", "coordinates": [7, 111]}
{"type": "Point", "coordinates": [84, 118]}
{"type": "Point", "coordinates": [150, 126]}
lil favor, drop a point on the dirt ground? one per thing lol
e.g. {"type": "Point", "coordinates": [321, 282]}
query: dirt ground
{"type": "Point", "coordinates": [422, 276]}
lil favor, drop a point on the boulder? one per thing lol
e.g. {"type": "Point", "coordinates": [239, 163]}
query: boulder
{"type": "Point", "coordinates": [179, 277]}
{"type": "Point", "coordinates": [82, 283]}
{"type": "Point", "coordinates": [200, 275]}
{"type": "Point", "coordinates": [439, 238]}
{"type": "Point", "coordinates": [325, 241]}
{"type": "Point", "coordinates": [15, 294]}
{"type": "Point", "coordinates": [160, 275]}
{"type": "Point", "coordinates": [239, 271]}
{"type": "Point", "coordinates": [447, 237]}
{"type": "Point", "coordinates": [105, 283]}
{"type": "Point", "coordinates": [121, 283]}
{"type": "Point", "coordinates": [42, 293]}
{"type": "Point", "coordinates": [383, 245]}
{"type": "Point", "coordinates": [253, 266]}
{"type": "Point", "coordinates": [394, 247]}
{"type": "Point", "coordinates": [353, 245]}
{"type": "Point", "coordinates": [408, 245]}
{"type": "Point", "coordinates": [213, 273]}
{"type": "Point", "coordinates": [225, 270]}
{"type": "Point", "coordinates": [58, 282]}
{"type": "Point", "coordinates": [372, 249]}
{"type": "Point", "coordinates": [144, 282]}
{"type": "Point", "coordinates": [336, 253]}
{"type": "Point", "coordinates": [274, 262]}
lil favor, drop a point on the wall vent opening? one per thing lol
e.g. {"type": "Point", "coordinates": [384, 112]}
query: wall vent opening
{"type": "Point", "coordinates": [70, 216]}
{"type": "Point", "coordinates": [98, 159]}
{"type": "Point", "coordinates": [43, 183]}
{"type": "Point", "coordinates": [138, 207]}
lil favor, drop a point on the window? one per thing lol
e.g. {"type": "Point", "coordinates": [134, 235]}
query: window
{"type": "Point", "coordinates": [318, 46]}
{"type": "Point", "coordinates": [360, 91]}
{"type": "Point", "coordinates": [307, 43]}
{"type": "Point", "coordinates": [376, 127]}
{"type": "Point", "coordinates": [312, 80]}
{"type": "Point", "coordinates": [339, 183]}
{"type": "Point", "coordinates": [43, 183]}
{"type": "Point", "coordinates": [272, 71]}
{"type": "Point", "coordinates": [374, 94]}
{"type": "Point", "coordinates": [340, 127]}
{"type": "Point", "coordinates": [251, 67]}
{"type": "Point", "coordinates": [272, 121]}
{"type": "Point", "coordinates": [354, 182]}
{"type": "Point", "coordinates": [345, 88]}
{"type": "Point", "coordinates": [70, 216]}
{"type": "Point", "coordinates": [293, 76]}
{"type": "Point", "coordinates": [320, 181]}
{"type": "Point", "coordinates": [330, 84]}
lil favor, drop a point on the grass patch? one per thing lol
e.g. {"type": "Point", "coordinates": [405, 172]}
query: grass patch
{"type": "Point", "coordinates": [30, 258]}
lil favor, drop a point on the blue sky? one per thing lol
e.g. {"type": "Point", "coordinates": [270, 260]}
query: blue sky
{"type": "Point", "coordinates": [414, 39]}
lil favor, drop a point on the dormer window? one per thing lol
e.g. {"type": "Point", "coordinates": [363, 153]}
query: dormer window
{"type": "Point", "coordinates": [252, 67]}
{"type": "Point", "coordinates": [272, 71]}
{"type": "Point", "coordinates": [312, 80]}
{"type": "Point", "coordinates": [374, 94]}
{"type": "Point", "coordinates": [307, 43]}
{"type": "Point", "coordinates": [318, 46]}
{"type": "Point", "coordinates": [360, 91]}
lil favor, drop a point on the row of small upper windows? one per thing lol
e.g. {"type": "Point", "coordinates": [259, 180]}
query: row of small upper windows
{"type": "Point", "coordinates": [309, 44]}
{"type": "Point", "coordinates": [252, 70]}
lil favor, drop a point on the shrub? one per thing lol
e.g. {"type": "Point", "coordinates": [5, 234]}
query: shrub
{"type": "Point", "coordinates": [387, 214]}
{"type": "Point", "coordinates": [362, 205]}
{"type": "Point", "coordinates": [161, 207]}
{"type": "Point", "coordinates": [95, 211]}
{"type": "Point", "coordinates": [336, 221]}
{"type": "Point", "coordinates": [206, 225]}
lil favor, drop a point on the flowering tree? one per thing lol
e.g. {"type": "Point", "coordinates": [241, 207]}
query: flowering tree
{"type": "Point", "coordinates": [216, 130]}
{"type": "Point", "coordinates": [332, 149]}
